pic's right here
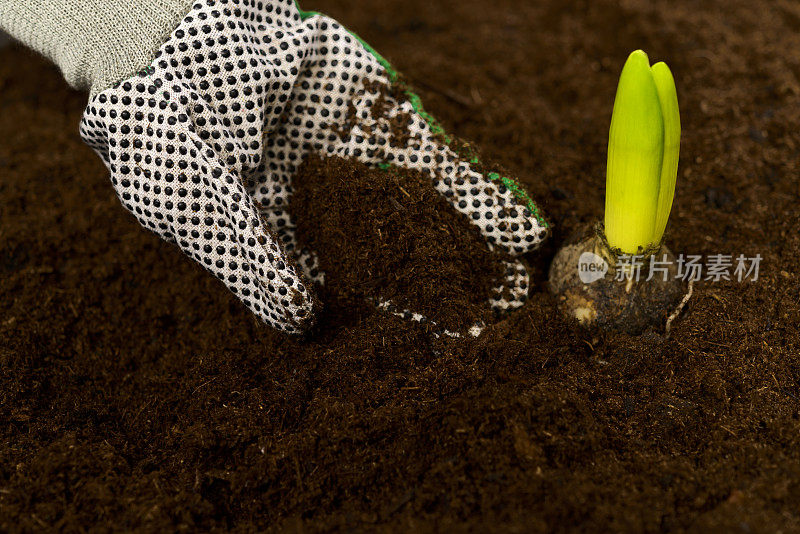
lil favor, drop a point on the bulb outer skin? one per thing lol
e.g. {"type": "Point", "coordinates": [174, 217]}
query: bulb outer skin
{"type": "Point", "coordinates": [631, 307]}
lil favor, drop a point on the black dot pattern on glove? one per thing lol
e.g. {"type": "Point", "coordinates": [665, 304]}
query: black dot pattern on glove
{"type": "Point", "coordinates": [202, 145]}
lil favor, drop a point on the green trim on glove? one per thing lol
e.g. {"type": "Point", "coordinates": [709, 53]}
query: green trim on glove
{"type": "Point", "coordinates": [437, 129]}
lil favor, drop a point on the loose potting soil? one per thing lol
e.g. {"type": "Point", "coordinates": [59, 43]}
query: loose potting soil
{"type": "Point", "coordinates": [137, 393]}
{"type": "Point", "coordinates": [388, 236]}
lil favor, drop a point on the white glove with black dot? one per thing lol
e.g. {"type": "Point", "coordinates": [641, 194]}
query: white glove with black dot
{"type": "Point", "coordinates": [203, 142]}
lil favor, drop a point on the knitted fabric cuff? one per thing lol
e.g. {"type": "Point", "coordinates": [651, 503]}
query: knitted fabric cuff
{"type": "Point", "coordinates": [95, 43]}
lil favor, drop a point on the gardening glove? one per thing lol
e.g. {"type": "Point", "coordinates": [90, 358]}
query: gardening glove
{"type": "Point", "coordinates": [203, 113]}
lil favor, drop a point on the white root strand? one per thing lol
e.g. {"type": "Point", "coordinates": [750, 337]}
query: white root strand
{"type": "Point", "coordinates": [680, 307]}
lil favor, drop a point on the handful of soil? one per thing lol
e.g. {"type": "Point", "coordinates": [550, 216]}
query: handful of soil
{"type": "Point", "coordinates": [389, 235]}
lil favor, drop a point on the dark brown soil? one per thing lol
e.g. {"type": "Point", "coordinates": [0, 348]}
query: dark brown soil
{"type": "Point", "coordinates": [136, 392]}
{"type": "Point", "coordinates": [388, 236]}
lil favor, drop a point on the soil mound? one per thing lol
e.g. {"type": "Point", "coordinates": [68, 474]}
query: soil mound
{"type": "Point", "coordinates": [388, 235]}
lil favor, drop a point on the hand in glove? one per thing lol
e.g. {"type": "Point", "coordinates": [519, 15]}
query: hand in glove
{"type": "Point", "coordinates": [202, 143]}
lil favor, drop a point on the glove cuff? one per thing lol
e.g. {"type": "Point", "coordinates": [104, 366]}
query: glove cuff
{"type": "Point", "coordinates": [95, 43]}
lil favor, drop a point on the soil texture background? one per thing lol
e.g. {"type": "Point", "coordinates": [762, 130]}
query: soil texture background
{"type": "Point", "coordinates": [137, 393]}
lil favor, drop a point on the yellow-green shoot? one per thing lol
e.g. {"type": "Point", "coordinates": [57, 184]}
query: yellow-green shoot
{"type": "Point", "coordinates": [643, 146]}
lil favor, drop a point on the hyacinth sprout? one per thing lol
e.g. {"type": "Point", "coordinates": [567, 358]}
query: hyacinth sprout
{"type": "Point", "coordinates": [643, 147]}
